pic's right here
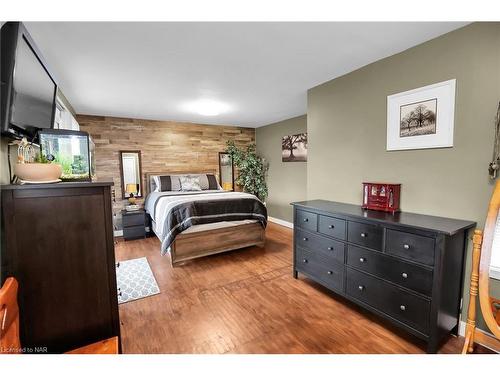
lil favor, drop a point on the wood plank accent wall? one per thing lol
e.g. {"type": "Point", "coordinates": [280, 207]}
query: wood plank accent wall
{"type": "Point", "coordinates": [164, 146]}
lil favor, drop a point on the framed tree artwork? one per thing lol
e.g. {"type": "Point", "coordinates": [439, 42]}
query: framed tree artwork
{"type": "Point", "coordinates": [294, 147]}
{"type": "Point", "coordinates": [421, 118]}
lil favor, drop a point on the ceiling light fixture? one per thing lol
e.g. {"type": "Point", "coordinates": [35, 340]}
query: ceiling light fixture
{"type": "Point", "coordinates": [207, 107]}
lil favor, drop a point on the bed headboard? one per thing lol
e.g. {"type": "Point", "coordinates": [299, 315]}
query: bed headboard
{"type": "Point", "coordinates": [149, 175]}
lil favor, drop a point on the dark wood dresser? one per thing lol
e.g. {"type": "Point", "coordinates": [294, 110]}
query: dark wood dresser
{"type": "Point", "coordinates": [407, 268]}
{"type": "Point", "coordinates": [57, 241]}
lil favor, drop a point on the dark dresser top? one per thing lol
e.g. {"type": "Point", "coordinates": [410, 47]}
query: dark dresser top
{"type": "Point", "coordinates": [434, 223]}
{"type": "Point", "coordinates": [57, 185]}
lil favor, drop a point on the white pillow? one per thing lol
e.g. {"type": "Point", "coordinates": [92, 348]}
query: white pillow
{"type": "Point", "coordinates": [190, 183]}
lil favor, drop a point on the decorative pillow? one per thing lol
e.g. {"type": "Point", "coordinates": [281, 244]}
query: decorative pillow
{"type": "Point", "coordinates": [165, 183]}
{"type": "Point", "coordinates": [203, 180]}
{"type": "Point", "coordinates": [190, 183]}
{"type": "Point", "coordinates": [153, 184]}
{"type": "Point", "coordinates": [212, 182]}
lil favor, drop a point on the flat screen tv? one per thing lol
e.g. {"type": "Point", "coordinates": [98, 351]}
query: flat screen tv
{"type": "Point", "coordinates": [28, 88]}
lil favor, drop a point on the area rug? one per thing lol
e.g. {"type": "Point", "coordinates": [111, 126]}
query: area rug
{"type": "Point", "coordinates": [135, 280]}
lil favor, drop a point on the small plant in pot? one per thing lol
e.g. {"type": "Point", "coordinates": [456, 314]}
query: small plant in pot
{"type": "Point", "coordinates": [41, 170]}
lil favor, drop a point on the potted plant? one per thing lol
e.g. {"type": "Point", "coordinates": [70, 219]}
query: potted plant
{"type": "Point", "coordinates": [35, 169]}
{"type": "Point", "coordinates": [252, 169]}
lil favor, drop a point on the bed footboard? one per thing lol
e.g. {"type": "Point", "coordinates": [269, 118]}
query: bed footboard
{"type": "Point", "coordinates": [199, 244]}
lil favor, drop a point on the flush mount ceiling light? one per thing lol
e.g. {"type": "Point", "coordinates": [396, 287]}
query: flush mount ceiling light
{"type": "Point", "coordinates": [207, 107]}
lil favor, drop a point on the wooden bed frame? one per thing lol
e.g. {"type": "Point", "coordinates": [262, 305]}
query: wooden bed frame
{"type": "Point", "coordinates": [187, 245]}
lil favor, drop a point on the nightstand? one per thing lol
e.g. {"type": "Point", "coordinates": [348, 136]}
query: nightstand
{"type": "Point", "coordinates": [134, 224]}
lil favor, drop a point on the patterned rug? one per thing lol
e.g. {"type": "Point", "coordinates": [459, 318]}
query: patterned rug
{"type": "Point", "coordinates": [135, 280]}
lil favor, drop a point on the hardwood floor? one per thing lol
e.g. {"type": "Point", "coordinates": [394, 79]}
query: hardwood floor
{"type": "Point", "coordinates": [246, 301]}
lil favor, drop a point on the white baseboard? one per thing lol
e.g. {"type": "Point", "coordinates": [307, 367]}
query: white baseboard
{"type": "Point", "coordinates": [280, 222]}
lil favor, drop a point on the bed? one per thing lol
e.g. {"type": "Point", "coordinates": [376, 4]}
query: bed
{"type": "Point", "coordinates": [194, 224]}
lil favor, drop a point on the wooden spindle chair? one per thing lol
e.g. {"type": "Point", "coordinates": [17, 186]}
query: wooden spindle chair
{"type": "Point", "coordinates": [9, 315]}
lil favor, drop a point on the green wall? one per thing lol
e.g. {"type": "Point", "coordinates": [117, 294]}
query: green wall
{"type": "Point", "coordinates": [286, 181]}
{"type": "Point", "coordinates": [346, 121]}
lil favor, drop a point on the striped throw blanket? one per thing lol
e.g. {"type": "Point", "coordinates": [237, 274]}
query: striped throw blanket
{"type": "Point", "coordinates": [174, 213]}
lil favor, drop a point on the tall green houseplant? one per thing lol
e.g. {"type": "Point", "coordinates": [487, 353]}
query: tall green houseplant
{"type": "Point", "coordinates": [252, 169]}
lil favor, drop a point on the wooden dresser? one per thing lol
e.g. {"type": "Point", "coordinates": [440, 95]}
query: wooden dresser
{"type": "Point", "coordinates": [57, 241]}
{"type": "Point", "coordinates": [405, 267]}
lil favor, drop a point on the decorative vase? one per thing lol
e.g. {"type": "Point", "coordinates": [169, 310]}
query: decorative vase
{"type": "Point", "coordinates": [38, 172]}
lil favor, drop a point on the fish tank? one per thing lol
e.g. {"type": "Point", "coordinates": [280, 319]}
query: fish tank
{"type": "Point", "coordinates": [73, 150]}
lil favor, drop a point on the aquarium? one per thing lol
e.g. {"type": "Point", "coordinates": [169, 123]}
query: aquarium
{"type": "Point", "coordinates": [73, 150]}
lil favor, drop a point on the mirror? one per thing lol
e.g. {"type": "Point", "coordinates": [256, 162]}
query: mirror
{"type": "Point", "coordinates": [488, 266]}
{"type": "Point", "coordinates": [494, 271]}
{"type": "Point", "coordinates": [130, 169]}
{"type": "Point", "coordinates": [226, 171]}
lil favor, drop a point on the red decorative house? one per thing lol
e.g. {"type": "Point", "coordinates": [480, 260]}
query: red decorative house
{"type": "Point", "coordinates": [381, 196]}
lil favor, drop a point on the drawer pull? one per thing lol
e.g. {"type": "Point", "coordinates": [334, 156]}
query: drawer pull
{"type": "Point", "coordinates": [364, 235]}
{"type": "Point", "coordinates": [304, 261]}
{"type": "Point", "coordinates": [330, 248]}
{"type": "Point", "coordinates": [361, 288]}
{"type": "Point", "coordinates": [331, 226]}
{"type": "Point", "coordinates": [362, 260]}
{"type": "Point", "coordinates": [305, 238]}
{"type": "Point", "coordinates": [306, 220]}
{"type": "Point", "coordinates": [402, 308]}
{"type": "Point", "coordinates": [406, 246]}
{"type": "Point", "coordinates": [330, 272]}
{"type": "Point", "coordinates": [404, 275]}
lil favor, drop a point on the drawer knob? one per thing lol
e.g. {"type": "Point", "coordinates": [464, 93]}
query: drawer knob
{"type": "Point", "coordinates": [404, 275]}
{"type": "Point", "coordinates": [406, 246]}
{"type": "Point", "coordinates": [306, 220]}
{"type": "Point", "coordinates": [331, 226]}
{"type": "Point", "coordinates": [361, 288]}
{"type": "Point", "coordinates": [363, 234]}
{"type": "Point", "coordinates": [305, 238]}
{"type": "Point", "coordinates": [330, 248]}
{"type": "Point", "coordinates": [330, 272]}
{"type": "Point", "coordinates": [305, 260]}
{"type": "Point", "coordinates": [362, 260]}
{"type": "Point", "coordinates": [402, 308]}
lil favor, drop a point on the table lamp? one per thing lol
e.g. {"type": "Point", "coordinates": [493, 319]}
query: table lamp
{"type": "Point", "coordinates": [131, 189]}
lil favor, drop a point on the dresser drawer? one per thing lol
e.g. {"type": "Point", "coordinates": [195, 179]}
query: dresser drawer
{"type": "Point", "coordinates": [133, 220]}
{"type": "Point", "coordinates": [306, 220]}
{"type": "Point", "coordinates": [410, 246]}
{"type": "Point", "coordinates": [332, 226]}
{"type": "Point", "coordinates": [365, 234]}
{"type": "Point", "coordinates": [403, 306]}
{"type": "Point", "coordinates": [331, 274]}
{"type": "Point", "coordinates": [134, 232]}
{"type": "Point", "coordinates": [322, 246]}
{"type": "Point", "coordinates": [408, 275]}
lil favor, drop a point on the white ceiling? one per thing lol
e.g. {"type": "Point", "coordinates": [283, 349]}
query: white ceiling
{"type": "Point", "coordinates": [262, 71]}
